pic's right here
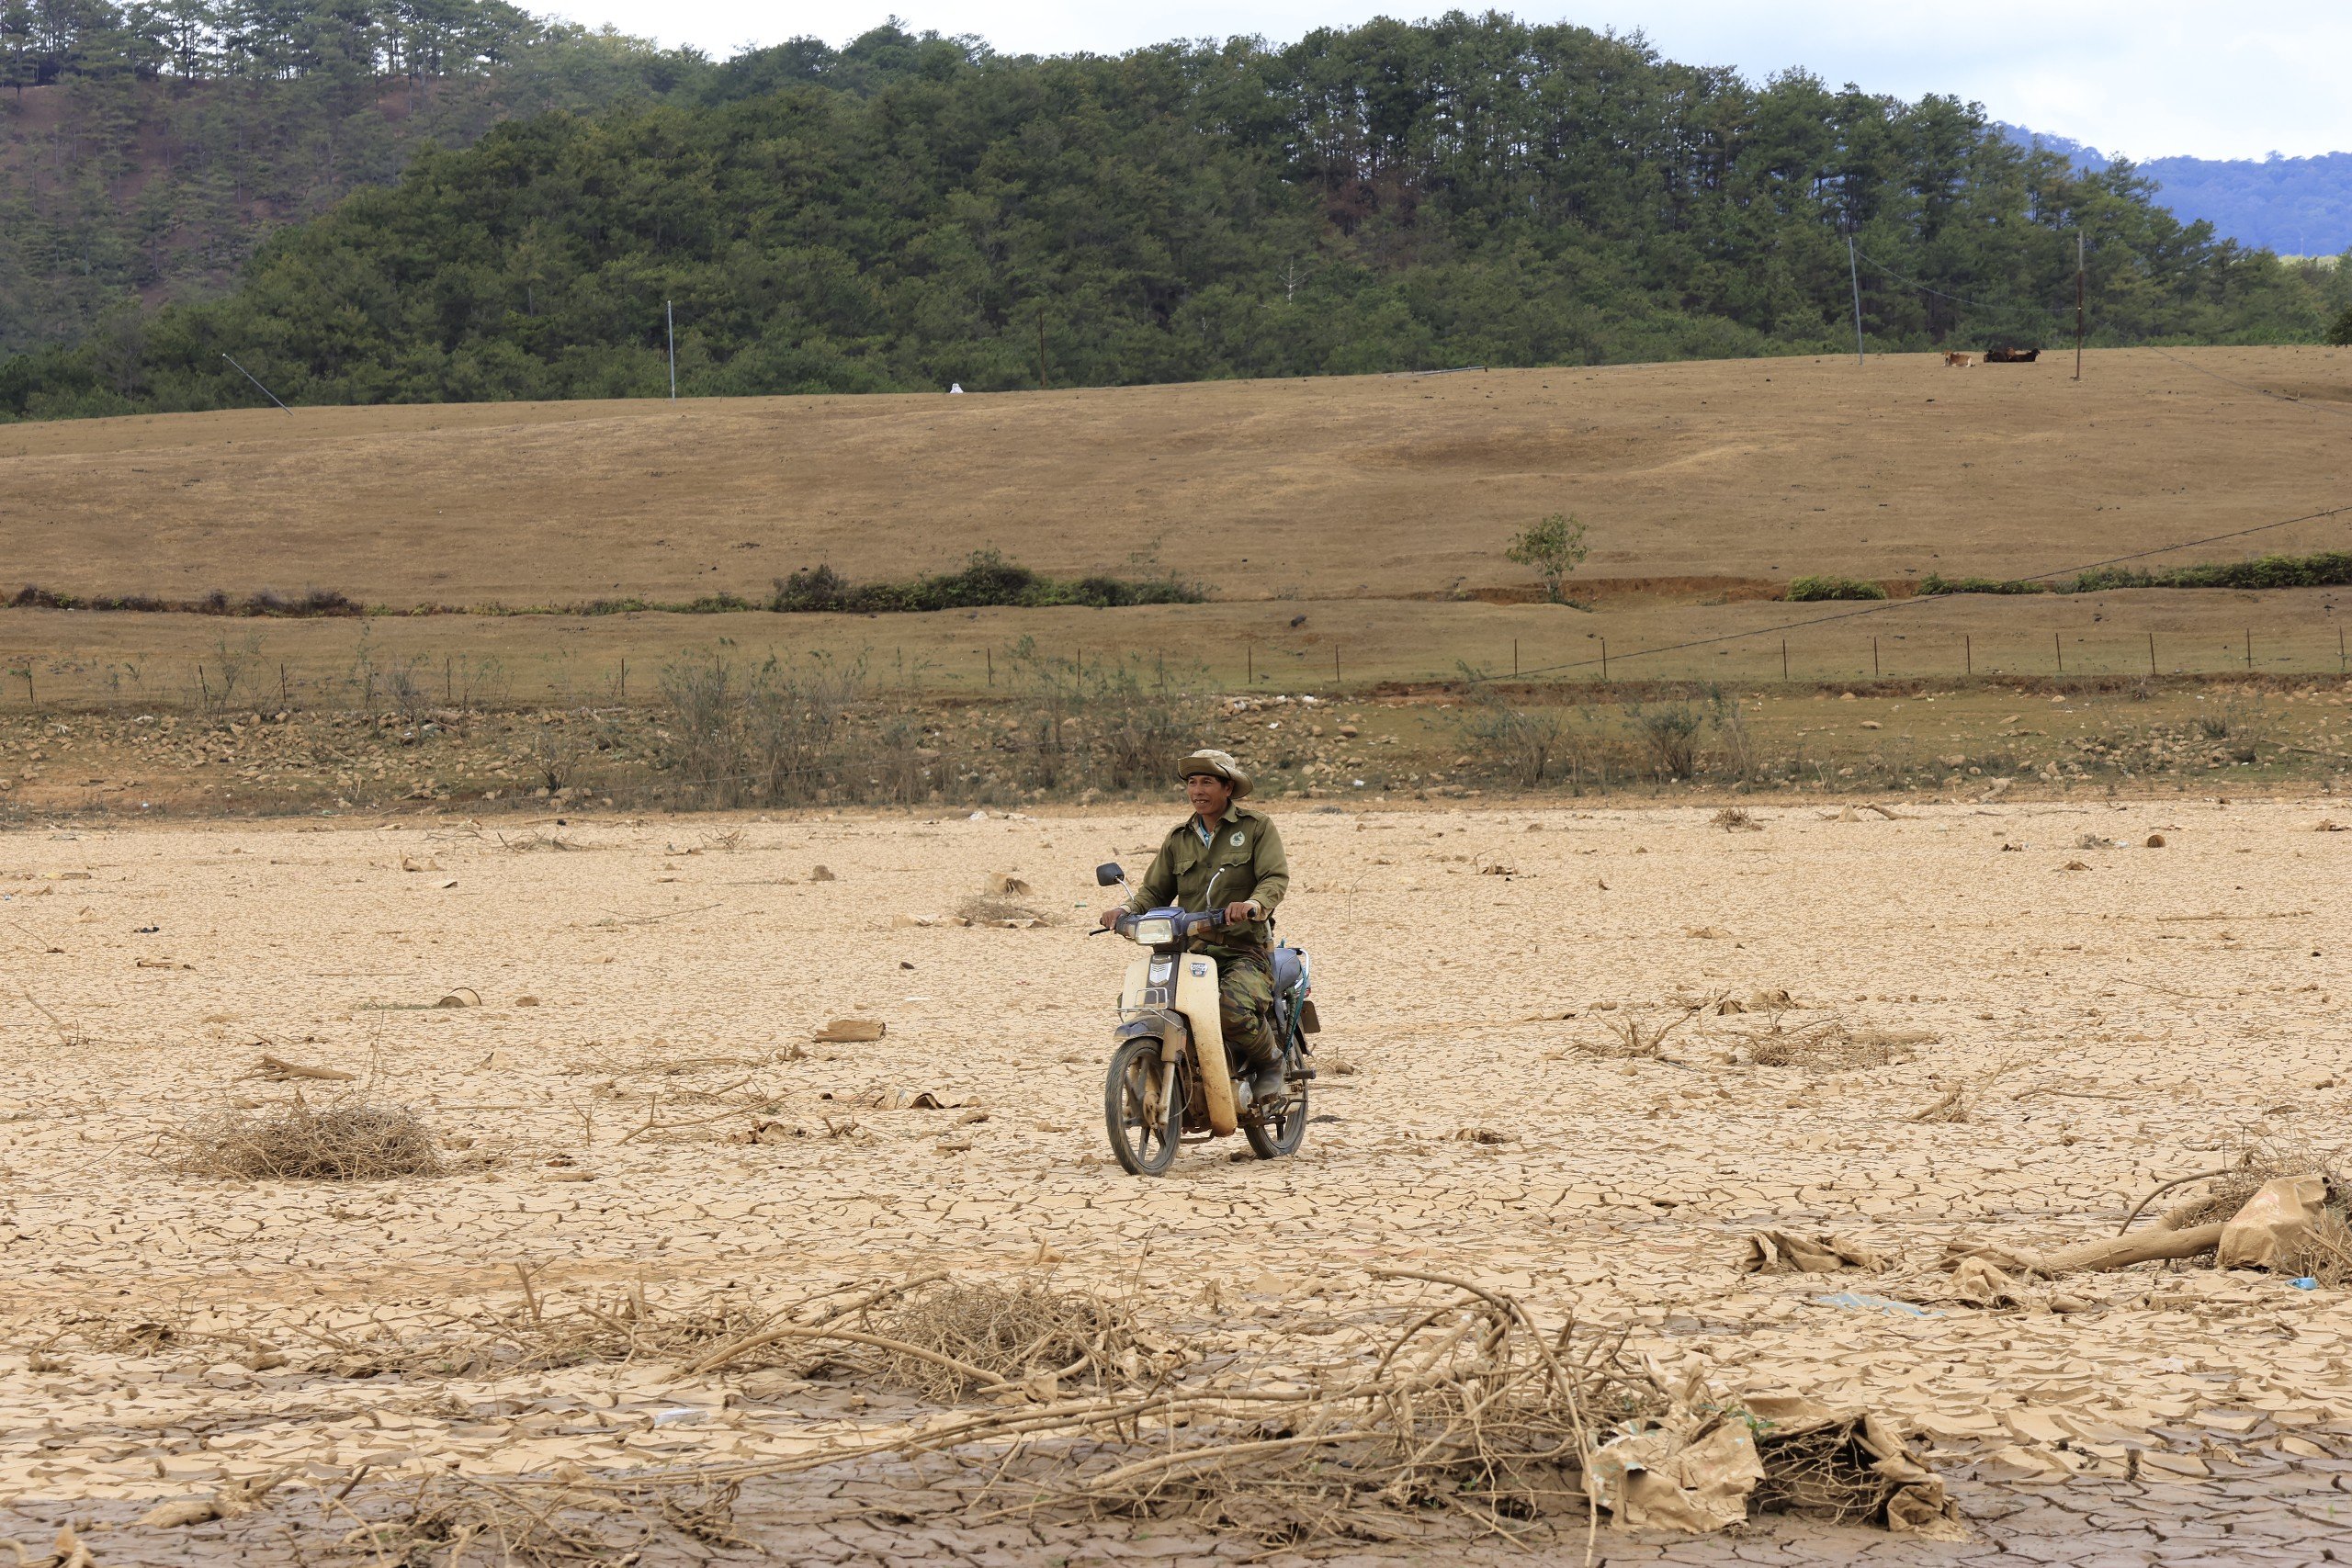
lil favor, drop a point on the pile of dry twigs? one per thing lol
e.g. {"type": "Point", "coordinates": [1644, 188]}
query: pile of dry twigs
{"type": "Point", "coordinates": [343, 1143]}
{"type": "Point", "coordinates": [1470, 1409]}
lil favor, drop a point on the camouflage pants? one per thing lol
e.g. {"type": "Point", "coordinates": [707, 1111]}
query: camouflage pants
{"type": "Point", "coordinates": [1245, 997]}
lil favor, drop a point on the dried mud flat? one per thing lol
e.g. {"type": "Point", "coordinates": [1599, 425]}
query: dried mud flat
{"type": "Point", "coordinates": [171, 1336]}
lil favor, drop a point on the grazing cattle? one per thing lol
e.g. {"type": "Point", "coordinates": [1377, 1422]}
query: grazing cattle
{"type": "Point", "coordinates": [2011, 355]}
{"type": "Point", "coordinates": [1963, 360]}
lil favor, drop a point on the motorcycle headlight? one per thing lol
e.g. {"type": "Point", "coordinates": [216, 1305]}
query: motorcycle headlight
{"type": "Point", "coordinates": [1153, 932]}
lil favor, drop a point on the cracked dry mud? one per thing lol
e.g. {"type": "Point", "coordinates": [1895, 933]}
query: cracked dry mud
{"type": "Point", "coordinates": [2115, 1026]}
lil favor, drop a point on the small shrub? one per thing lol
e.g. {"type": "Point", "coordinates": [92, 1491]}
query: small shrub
{"type": "Point", "coordinates": [1806, 590]}
{"type": "Point", "coordinates": [1734, 741]}
{"type": "Point", "coordinates": [1530, 742]}
{"type": "Point", "coordinates": [1553, 547]}
{"type": "Point", "coordinates": [985, 580]}
{"type": "Point", "coordinates": [1670, 733]}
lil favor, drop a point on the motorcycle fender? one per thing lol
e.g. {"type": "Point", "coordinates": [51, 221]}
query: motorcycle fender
{"type": "Point", "coordinates": [1138, 978]}
{"type": "Point", "coordinates": [1307, 1020]}
{"type": "Point", "coordinates": [1196, 999]}
{"type": "Point", "coordinates": [1165, 1027]}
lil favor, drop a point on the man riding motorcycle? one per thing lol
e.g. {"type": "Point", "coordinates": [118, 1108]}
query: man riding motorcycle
{"type": "Point", "coordinates": [1225, 850]}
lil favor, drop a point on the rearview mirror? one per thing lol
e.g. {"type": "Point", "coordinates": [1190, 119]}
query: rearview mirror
{"type": "Point", "coordinates": [1108, 875]}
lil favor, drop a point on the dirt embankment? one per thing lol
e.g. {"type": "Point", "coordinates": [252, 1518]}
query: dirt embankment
{"type": "Point", "coordinates": [1458, 741]}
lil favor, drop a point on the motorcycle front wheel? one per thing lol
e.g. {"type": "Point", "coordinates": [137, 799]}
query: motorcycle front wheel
{"type": "Point", "coordinates": [1281, 1128]}
{"type": "Point", "coordinates": [1143, 1108]}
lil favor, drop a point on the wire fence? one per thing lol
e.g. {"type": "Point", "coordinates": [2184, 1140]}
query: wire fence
{"type": "Point", "coordinates": [1817, 652]}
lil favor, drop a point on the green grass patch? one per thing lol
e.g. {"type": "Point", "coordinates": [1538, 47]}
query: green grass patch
{"type": "Point", "coordinates": [2328, 569]}
{"type": "Point", "coordinates": [1806, 590]}
{"type": "Point", "coordinates": [985, 580]}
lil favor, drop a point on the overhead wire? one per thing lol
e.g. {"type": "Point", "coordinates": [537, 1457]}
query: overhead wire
{"type": "Point", "coordinates": [1957, 298]}
{"type": "Point", "coordinates": [2249, 386]}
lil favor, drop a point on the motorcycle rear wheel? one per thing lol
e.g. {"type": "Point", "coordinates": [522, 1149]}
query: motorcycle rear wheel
{"type": "Point", "coordinates": [1143, 1143]}
{"type": "Point", "coordinates": [1281, 1129]}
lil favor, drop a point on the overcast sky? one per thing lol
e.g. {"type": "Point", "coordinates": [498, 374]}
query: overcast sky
{"type": "Point", "coordinates": [2146, 79]}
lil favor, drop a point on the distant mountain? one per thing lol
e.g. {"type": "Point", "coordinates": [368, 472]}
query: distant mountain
{"type": "Point", "coordinates": [2293, 206]}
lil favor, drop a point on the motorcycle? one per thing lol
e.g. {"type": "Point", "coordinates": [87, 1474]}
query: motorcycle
{"type": "Point", "coordinates": [1169, 1081]}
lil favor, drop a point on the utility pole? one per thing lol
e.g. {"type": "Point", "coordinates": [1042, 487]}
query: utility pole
{"type": "Point", "coordinates": [670, 315]}
{"type": "Point", "coordinates": [2078, 304]}
{"type": "Point", "coordinates": [1854, 276]}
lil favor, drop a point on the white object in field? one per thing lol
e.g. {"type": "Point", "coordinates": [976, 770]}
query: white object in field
{"type": "Point", "coordinates": [954, 388]}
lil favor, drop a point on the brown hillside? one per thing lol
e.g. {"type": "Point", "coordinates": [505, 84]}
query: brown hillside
{"type": "Point", "coordinates": [1373, 486]}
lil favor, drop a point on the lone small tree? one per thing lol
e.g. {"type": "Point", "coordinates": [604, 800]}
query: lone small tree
{"type": "Point", "coordinates": [2340, 333]}
{"type": "Point", "coordinates": [1552, 547]}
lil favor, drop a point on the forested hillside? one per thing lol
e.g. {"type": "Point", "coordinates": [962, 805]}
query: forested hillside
{"type": "Point", "coordinates": [2293, 206]}
{"type": "Point", "coordinates": [145, 151]}
{"type": "Point", "coordinates": [912, 211]}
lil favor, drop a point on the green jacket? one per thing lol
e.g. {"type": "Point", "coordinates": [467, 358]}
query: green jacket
{"type": "Point", "coordinates": [1242, 860]}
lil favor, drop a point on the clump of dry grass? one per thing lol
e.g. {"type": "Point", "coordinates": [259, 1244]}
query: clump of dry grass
{"type": "Point", "coordinates": [1825, 1469]}
{"type": "Point", "coordinates": [1831, 1045]}
{"type": "Point", "coordinates": [992, 909]}
{"type": "Point", "coordinates": [1025, 1333]}
{"type": "Point", "coordinates": [448, 1515]}
{"type": "Point", "coordinates": [1736, 819]}
{"type": "Point", "coordinates": [345, 1143]}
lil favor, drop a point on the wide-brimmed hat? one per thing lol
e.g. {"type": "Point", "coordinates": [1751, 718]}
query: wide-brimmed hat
{"type": "Point", "coordinates": [1217, 764]}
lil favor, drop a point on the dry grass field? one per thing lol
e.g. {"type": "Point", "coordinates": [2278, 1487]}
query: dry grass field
{"type": "Point", "coordinates": [1386, 486]}
{"type": "Point", "coordinates": [645, 1151]}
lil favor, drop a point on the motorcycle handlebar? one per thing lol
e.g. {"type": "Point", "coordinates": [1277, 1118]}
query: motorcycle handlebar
{"type": "Point", "coordinates": [1187, 921]}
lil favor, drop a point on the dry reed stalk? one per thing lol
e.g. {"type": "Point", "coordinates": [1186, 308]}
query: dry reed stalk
{"type": "Point", "coordinates": [1950, 1106]}
{"type": "Point", "coordinates": [1632, 1042]}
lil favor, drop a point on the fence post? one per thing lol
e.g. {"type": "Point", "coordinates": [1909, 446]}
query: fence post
{"type": "Point", "coordinates": [1873, 659]}
{"type": "Point", "coordinates": [2060, 649]}
{"type": "Point", "coordinates": [1784, 660]}
{"type": "Point", "coordinates": [2249, 647]}
{"type": "Point", "coordinates": [2152, 653]}
{"type": "Point", "coordinates": [1604, 659]}
{"type": "Point", "coordinates": [1968, 653]}
{"type": "Point", "coordinates": [1514, 658]}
